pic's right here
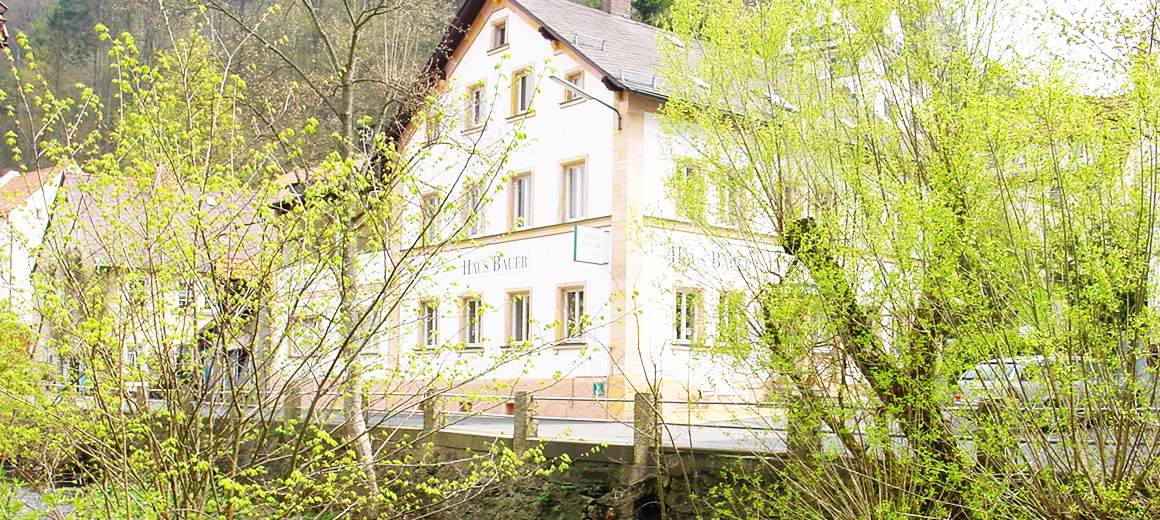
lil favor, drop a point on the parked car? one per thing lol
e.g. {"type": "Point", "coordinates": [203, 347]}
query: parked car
{"type": "Point", "coordinates": [995, 380]}
{"type": "Point", "coordinates": [1141, 384]}
{"type": "Point", "coordinates": [1078, 385]}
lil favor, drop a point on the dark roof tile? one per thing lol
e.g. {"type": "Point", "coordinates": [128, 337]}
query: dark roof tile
{"type": "Point", "coordinates": [626, 51]}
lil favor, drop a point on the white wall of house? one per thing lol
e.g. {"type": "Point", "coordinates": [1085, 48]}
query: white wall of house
{"type": "Point", "coordinates": [535, 256]}
{"type": "Point", "coordinates": [540, 270]}
{"type": "Point", "coordinates": [22, 232]}
{"type": "Point", "coordinates": [558, 133]}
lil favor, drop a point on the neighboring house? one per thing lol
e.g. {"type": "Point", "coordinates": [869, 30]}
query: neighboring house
{"type": "Point", "coordinates": [162, 265]}
{"type": "Point", "coordinates": [26, 201]}
{"type": "Point", "coordinates": [579, 260]}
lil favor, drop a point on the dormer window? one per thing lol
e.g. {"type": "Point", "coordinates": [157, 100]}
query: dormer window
{"type": "Point", "coordinates": [499, 35]}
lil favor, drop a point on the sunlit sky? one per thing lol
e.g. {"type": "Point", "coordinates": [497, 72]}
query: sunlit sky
{"type": "Point", "coordinates": [1065, 36]}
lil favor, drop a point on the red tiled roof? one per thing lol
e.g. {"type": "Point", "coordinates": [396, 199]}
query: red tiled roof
{"type": "Point", "coordinates": [17, 188]}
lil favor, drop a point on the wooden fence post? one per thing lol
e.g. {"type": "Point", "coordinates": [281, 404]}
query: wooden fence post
{"type": "Point", "coordinates": [292, 404]}
{"type": "Point", "coordinates": [646, 416]}
{"type": "Point", "coordinates": [433, 419]}
{"type": "Point", "coordinates": [526, 426]}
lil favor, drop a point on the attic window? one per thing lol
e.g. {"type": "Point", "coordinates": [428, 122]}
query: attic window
{"type": "Point", "coordinates": [592, 42]}
{"type": "Point", "coordinates": [499, 35]}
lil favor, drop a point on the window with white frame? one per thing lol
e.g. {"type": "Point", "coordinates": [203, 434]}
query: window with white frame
{"type": "Point", "coordinates": [519, 317]}
{"type": "Point", "coordinates": [473, 210]}
{"type": "Point", "coordinates": [369, 338]}
{"type": "Point", "coordinates": [730, 317]}
{"type": "Point", "coordinates": [472, 321]}
{"type": "Point", "coordinates": [136, 290]}
{"type": "Point", "coordinates": [308, 337]}
{"type": "Point", "coordinates": [729, 203]}
{"type": "Point", "coordinates": [689, 192]}
{"type": "Point", "coordinates": [431, 205]}
{"type": "Point", "coordinates": [685, 315]}
{"type": "Point", "coordinates": [186, 297]}
{"type": "Point", "coordinates": [575, 191]}
{"type": "Point", "coordinates": [476, 105]}
{"type": "Point", "coordinates": [521, 201]}
{"type": "Point", "coordinates": [239, 364]}
{"type": "Point", "coordinates": [575, 77]}
{"type": "Point", "coordinates": [523, 87]}
{"type": "Point", "coordinates": [429, 323]}
{"type": "Point", "coordinates": [73, 370]}
{"type": "Point", "coordinates": [572, 314]}
{"type": "Point", "coordinates": [499, 34]}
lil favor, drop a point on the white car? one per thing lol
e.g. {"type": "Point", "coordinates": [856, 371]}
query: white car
{"type": "Point", "coordinates": [994, 380]}
{"type": "Point", "coordinates": [1041, 381]}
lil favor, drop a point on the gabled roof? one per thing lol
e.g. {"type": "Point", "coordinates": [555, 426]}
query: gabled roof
{"type": "Point", "coordinates": [125, 222]}
{"type": "Point", "coordinates": [16, 188]}
{"type": "Point", "coordinates": [625, 52]}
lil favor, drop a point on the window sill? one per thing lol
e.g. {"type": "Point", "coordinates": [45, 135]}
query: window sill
{"type": "Point", "coordinates": [474, 129]}
{"type": "Point", "coordinates": [570, 344]}
{"type": "Point", "coordinates": [572, 102]}
{"type": "Point", "coordinates": [687, 346]}
{"type": "Point", "coordinates": [521, 116]}
{"type": "Point", "coordinates": [497, 50]}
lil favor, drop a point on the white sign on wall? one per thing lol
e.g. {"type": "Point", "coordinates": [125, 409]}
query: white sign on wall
{"type": "Point", "coordinates": [497, 263]}
{"type": "Point", "coordinates": [590, 245]}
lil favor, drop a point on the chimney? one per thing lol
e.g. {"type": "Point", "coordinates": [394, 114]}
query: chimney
{"type": "Point", "coordinates": [621, 8]}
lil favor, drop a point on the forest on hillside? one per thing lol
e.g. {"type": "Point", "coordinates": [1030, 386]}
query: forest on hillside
{"type": "Point", "coordinates": [286, 56]}
{"type": "Point", "coordinates": [282, 54]}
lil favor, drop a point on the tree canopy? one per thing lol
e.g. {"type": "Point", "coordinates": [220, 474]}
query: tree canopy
{"type": "Point", "coordinates": [948, 206]}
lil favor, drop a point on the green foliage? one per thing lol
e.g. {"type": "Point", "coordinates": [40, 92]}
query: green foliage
{"type": "Point", "coordinates": [944, 208]}
{"type": "Point", "coordinates": [652, 12]}
{"type": "Point", "coordinates": [158, 279]}
{"type": "Point", "coordinates": [59, 32]}
{"type": "Point", "coordinates": [32, 437]}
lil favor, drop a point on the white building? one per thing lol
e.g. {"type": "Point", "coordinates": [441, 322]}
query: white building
{"type": "Point", "coordinates": [159, 261]}
{"type": "Point", "coordinates": [579, 264]}
{"type": "Point", "coordinates": [25, 202]}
